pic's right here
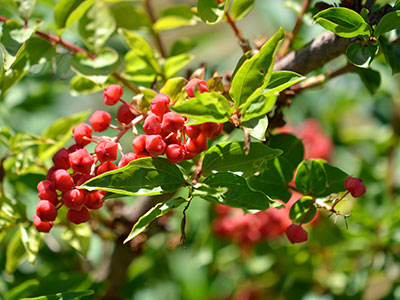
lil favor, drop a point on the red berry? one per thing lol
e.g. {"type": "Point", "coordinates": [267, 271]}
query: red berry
{"type": "Point", "coordinates": [83, 178]}
{"type": "Point", "coordinates": [61, 159]}
{"type": "Point", "coordinates": [46, 211]}
{"type": "Point", "coordinates": [74, 199]}
{"type": "Point", "coordinates": [191, 86]}
{"type": "Point", "coordinates": [50, 173]}
{"type": "Point", "coordinates": [124, 114]}
{"type": "Point", "coordinates": [175, 153]}
{"type": "Point", "coordinates": [172, 138]}
{"type": "Point", "coordinates": [78, 216]}
{"type": "Point", "coordinates": [212, 130]}
{"type": "Point", "coordinates": [155, 145]}
{"type": "Point", "coordinates": [159, 105]}
{"type": "Point", "coordinates": [152, 124]}
{"type": "Point", "coordinates": [112, 93]}
{"type": "Point", "coordinates": [73, 148]}
{"type": "Point", "coordinates": [80, 132]}
{"type": "Point", "coordinates": [296, 234]}
{"type": "Point", "coordinates": [139, 144]}
{"type": "Point", "coordinates": [105, 167]}
{"type": "Point", "coordinates": [93, 200]}
{"type": "Point", "coordinates": [40, 225]}
{"type": "Point", "coordinates": [193, 131]}
{"type": "Point", "coordinates": [106, 150]}
{"type": "Point", "coordinates": [172, 122]}
{"type": "Point", "coordinates": [100, 120]}
{"type": "Point", "coordinates": [126, 159]}
{"type": "Point", "coordinates": [355, 186]}
{"type": "Point", "coordinates": [47, 191]}
{"type": "Point", "coordinates": [62, 180]}
{"type": "Point", "coordinates": [81, 161]}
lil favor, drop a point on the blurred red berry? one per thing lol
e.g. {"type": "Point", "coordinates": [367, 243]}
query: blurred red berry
{"type": "Point", "coordinates": [81, 161]}
{"type": "Point", "coordinates": [296, 234]}
{"type": "Point", "coordinates": [61, 159]}
{"type": "Point", "coordinates": [40, 225]}
{"type": "Point", "coordinates": [152, 124]}
{"type": "Point", "coordinates": [106, 150]}
{"type": "Point", "coordinates": [124, 114]}
{"type": "Point", "coordinates": [192, 84]}
{"type": "Point", "coordinates": [78, 216]}
{"type": "Point", "coordinates": [46, 211]}
{"type": "Point", "coordinates": [62, 180]}
{"type": "Point", "coordinates": [80, 132]}
{"type": "Point", "coordinates": [112, 93]}
{"type": "Point", "coordinates": [175, 153]}
{"type": "Point", "coordinates": [100, 120]}
{"type": "Point", "coordinates": [155, 145]}
{"type": "Point", "coordinates": [126, 159]}
{"type": "Point", "coordinates": [47, 191]}
{"type": "Point", "coordinates": [355, 186]}
{"type": "Point", "coordinates": [74, 199]}
{"type": "Point", "coordinates": [172, 122]}
{"type": "Point", "coordinates": [105, 167]}
{"type": "Point", "coordinates": [159, 104]}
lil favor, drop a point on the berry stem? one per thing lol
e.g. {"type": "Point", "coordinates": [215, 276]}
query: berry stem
{"type": "Point", "coordinates": [132, 107]}
{"type": "Point", "coordinates": [115, 127]}
{"type": "Point", "coordinates": [340, 199]}
{"type": "Point", "coordinates": [307, 213]}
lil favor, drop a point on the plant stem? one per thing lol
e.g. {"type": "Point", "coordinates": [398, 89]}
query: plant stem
{"type": "Point", "coordinates": [156, 36]}
{"type": "Point", "coordinates": [244, 44]}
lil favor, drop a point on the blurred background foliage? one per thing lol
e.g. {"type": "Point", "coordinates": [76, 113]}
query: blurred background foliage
{"type": "Point", "coordinates": [358, 262]}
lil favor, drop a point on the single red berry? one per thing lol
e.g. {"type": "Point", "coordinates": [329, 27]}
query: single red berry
{"type": "Point", "coordinates": [159, 104]}
{"type": "Point", "coordinates": [73, 148]}
{"type": "Point", "coordinates": [74, 199]}
{"type": "Point", "coordinates": [296, 234]}
{"type": "Point", "coordinates": [93, 200]}
{"type": "Point", "coordinates": [155, 145]}
{"type": "Point", "coordinates": [175, 153]}
{"type": "Point", "coordinates": [81, 161]}
{"type": "Point", "coordinates": [40, 225]}
{"type": "Point", "coordinates": [152, 124]}
{"type": "Point", "coordinates": [105, 167]}
{"type": "Point", "coordinates": [197, 145]}
{"type": "Point", "coordinates": [127, 158]}
{"type": "Point", "coordinates": [355, 186]}
{"type": "Point", "coordinates": [139, 144]}
{"type": "Point", "coordinates": [106, 150]}
{"type": "Point", "coordinates": [172, 138]}
{"type": "Point", "coordinates": [124, 114]}
{"type": "Point", "coordinates": [46, 211]}
{"type": "Point", "coordinates": [47, 191]}
{"type": "Point", "coordinates": [78, 216]}
{"type": "Point", "coordinates": [172, 122]}
{"type": "Point", "coordinates": [61, 159]}
{"type": "Point", "coordinates": [80, 132]}
{"type": "Point", "coordinates": [212, 130]}
{"type": "Point", "coordinates": [83, 178]}
{"type": "Point", "coordinates": [62, 180]}
{"type": "Point", "coordinates": [50, 173]}
{"type": "Point", "coordinates": [193, 131]}
{"type": "Point", "coordinates": [112, 93]}
{"type": "Point", "coordinates": [192, 84]}
{"type": "Point", "coordinates": [100, 120]}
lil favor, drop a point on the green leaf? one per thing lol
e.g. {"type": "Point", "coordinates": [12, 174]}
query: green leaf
{"type": "Point", "coordinates": [335, 179]}
{"type": "Point", "coordinates": [22, 289]}
{"type": "Point", "coordinates": [30, 238]}
{"type": "Point", "coordinates": [23, 140]}
{"type": "Point", "coordinates": [273, 181]}
{"type": "Point", "coordinates": [392, 54]}
{"type": "Point", "coordinates": [39, 50]}
{"type": "Point", "coordinates": [280, 81]}
{"type": "Point", "coordinates": [291, 146]}
{"type": "Point", "coordinates": [67, 12]}
{"type": "Point", "coordinates": [175, 63]}
{"type": "Point", "coordinates": [303, 210]}
{"type": "Point", "coordinates": [396, 5]}
{"type": "Point", "coordinates": [15, 253]}
{"type": "Point", "coordinates": [173, 88]}
{"type": "Point", "coordinates": [370, 78]}
{"type": "Point", "coordinates": [171, 22]}
{"type": "Point", "coordinates": [257, 127]}
{"type": "Point", "coordinates": [157, 211]}
{"type": "Point", "coordinates": [96, 26]}
{"type": "Point", "coordinates": [211, 11]}
{"type": "Point", "coordinates": [361, 56]}
{"type": "Point", "coordinates": [388, 22]}
{"type": "Point", "coordinates": [205, 107]}
{"type": "Point", "coordinates": [132, 17]}
{"type": "Point", "coordinates": [78, 237]}
{"type": "Point", "coordinates": [342, 21]}
{"type": "Point", "coordinates": [60, 132]}
{"type": "Point", "coordinates": [64, 296]}
{"type": "Point", "coordinates": [25, 8]}
{"type": "Point", "coordinates": [144, 176]}
{"type": "Point", "coordinates": [98, 69]}
{"type": "Point", "coordinates": [254, 74]}
{"type": "Point", "coordinates": [80, 86]}
{"type": "Point", "coordinates": [234, 192]}
{"type": "Point", "coordinates": [182, 46]}
{"type": "Point", "coordinates": [258, 107]}
{"type": "Point", "coordinates": [231, 157]}
{"type": "Point", "coordinates": [240, 8]}
{"type": "Point", "coordinates": [311, 177]}
{"type": "Point", "coordinates": [137, 68]}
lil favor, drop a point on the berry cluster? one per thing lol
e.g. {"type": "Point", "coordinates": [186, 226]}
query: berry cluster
{"type": "Point", "coordinates": [166, 133]}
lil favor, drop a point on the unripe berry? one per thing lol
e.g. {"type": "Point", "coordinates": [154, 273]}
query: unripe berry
{"type": "Point", "coordinates": [191, 86]}
{"type": "Point", "coordinates": [139, 144]}
{"type": "Point", "coordinates": [159, 105]}
{"type": "Point", "coordinates": [106, 150]}
{"type": "Point", "coordinates": [62, 180]}
{"type": "Point", "coordinates": [46, 211]}
{"type": "Point", "coordinates": [355, 186]}
{"type": "Point", "coordinates": [61, 159]}
{"type": "Point", "coordinates": [172, 122]}
{"type": "Point", "coordinates": [152, 124]}
{"type": "Point", "coordinates": [175, 153]}
{"type": "Point", "coordinates": [80, 132]}
{"type": "Point", "coordinates": [127, 158]}
{"type": "Point", "coordinates": [93, 200]}
{"type": "Point", "coordinates": [212, 130]}
{"type": "Point", "coordinates": [296, 234]}
{"type": "Point", "coordinates": [40, 225]}
{"type": "Point", "coordinates": [81, 161]}
{"type": "Point", "coordinates": [105, 167]}
{"type": "Point", "coordinates": [112, 93]}
{"type": "Point", "coordinates": [155, 145]}
{"type": "Point", "coordinates": [47, 191]}
{"type": "Point", "coordinates": [124, 114]}
{"type": "Point", "coordinates": [100, 120]}
{"type": "Point", "coordinates": [193, 131]}
{"type": "Point", "coordinates": [74, 199]}
{"type": "Point", "coordinates": [78, 216]}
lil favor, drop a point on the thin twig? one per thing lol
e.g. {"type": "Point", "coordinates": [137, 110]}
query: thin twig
{"type": "Point", "coordinates": [244, 44]}
{"type": "Point", "coordinates": [156, 36]}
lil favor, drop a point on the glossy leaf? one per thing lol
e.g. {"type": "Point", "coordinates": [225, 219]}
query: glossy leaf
{"type": "Point", "coordinates": [303, 210]}
{"type": "Point", "coordinates": [281, 80]}
{"type": "Point", "coordinates": [240, 8]}
{"type": "Point", "coordinates": [370, 78]}
{"type": "Point", "coordinates": [173, 88]}
{"type": "Point", "coordinates": [342, 21]}
{"type": "Point", "coordinates": [231, 157]}
{"type": "Point", "coordinates": [137, 68]}
{"type": "Point", "coordinates": [171, 22]}
{"type": "Point", "coordinates": [258, 107]}
{"type": "Point", "coordinates": [392, 54]}
{"type": "Point", "coordinates": [78, 237]}
{"type": "Point", "coordinates": [80, 86]}
{"type": "Point", "coordinates": [311, 178]}
{"type": "Point", "coordinates": [67, 12]}
{"type": "Point", "coordinates": [292, 147]}
{"type": "Point", "coordinates": [64, 296]}
{"type": "Point", "coordinates": [144, 176]}
{"type": "Point", "coordinates": [211, 11]}
{"type": "Point", "coordinates": [388, 22]}
{"type": "Point", "coordinates": [257, 127]}
{"type": "Point", "coordinates": [129, 16]}
{"type": "Point", "coordinates": [175, 63]}
{"type": "Point", "coordinates": [157, 211]}
{"type": "Point", "coordinates": [335, 179]}
{"type": "Point", "coordinates": [361, 56]}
